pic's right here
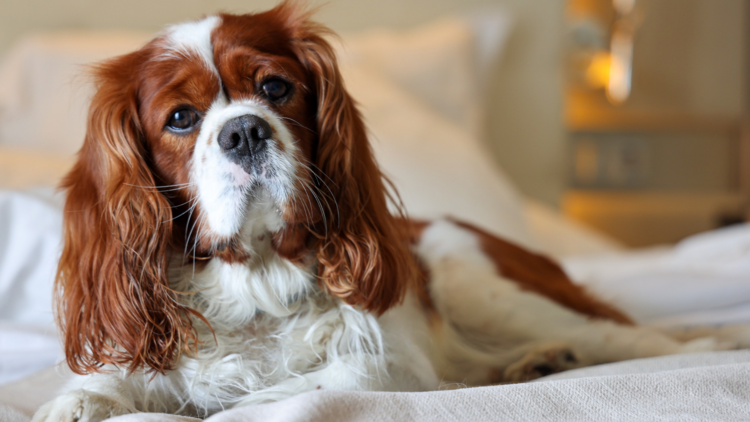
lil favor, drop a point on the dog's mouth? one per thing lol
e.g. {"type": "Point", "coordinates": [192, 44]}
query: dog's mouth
{"type": "Point", "coordinates": [239, 176]}
{"type": "Point", "coordinates": [251, 173]}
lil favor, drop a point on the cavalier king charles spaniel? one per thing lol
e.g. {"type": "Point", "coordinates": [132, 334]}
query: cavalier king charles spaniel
{"type": "Point", "coordinates": [228, 242]}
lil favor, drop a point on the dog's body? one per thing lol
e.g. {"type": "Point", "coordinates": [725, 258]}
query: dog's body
{"type": "Point", "coordinates": [228, 243]}
{"type": "Point", "coordinates": [479, 328]}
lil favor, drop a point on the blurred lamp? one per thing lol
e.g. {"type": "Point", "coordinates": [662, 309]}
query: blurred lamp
{"type": "Point", "coordinates": [621, 52]}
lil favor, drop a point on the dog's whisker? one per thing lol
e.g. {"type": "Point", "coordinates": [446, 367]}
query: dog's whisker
{"type": "Point", "coordinates": [296, 123]}
{"type": "Point", "coordinates": [190, 210]}
{"type": "Point", "coordinates": [333, 199]}
{"type": "Point", "coordinates": [307, 212]}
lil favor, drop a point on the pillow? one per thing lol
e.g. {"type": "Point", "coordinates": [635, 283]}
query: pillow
{"type": "Point", "coordinates": [24, 168]}
{"type": "Point", "coordinates": [444, 64]}
{"type": "Point", "coordinates": [30, 238]}
{"type": "Point", "coordinates": [438, 168]}
{"type": "Point", "coordinates": [44, 93]}
{"type": "Point", "coordinates": [560, 236]}
{"type": "Point", "coordinates": [435, 99]}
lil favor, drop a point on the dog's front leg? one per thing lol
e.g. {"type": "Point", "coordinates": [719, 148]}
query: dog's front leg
{"type": "Point", "coordinates": [347, 373]}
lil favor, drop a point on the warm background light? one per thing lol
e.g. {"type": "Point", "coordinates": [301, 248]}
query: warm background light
{"type": "Point", "coordinates": [657, 104]}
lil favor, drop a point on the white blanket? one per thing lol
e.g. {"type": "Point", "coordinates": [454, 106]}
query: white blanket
{"type": "Point", "coordinates": [696, 387]}
{"type": "Point", "coordinates": [653, 285]}
{"type": "Point", "coordinates": [30, 236]}
{"type": "Point", "coordinates": [705, 279]}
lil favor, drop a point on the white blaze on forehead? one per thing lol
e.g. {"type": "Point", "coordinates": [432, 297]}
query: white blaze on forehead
{"type": "Point", "coordinates": [193, 38]}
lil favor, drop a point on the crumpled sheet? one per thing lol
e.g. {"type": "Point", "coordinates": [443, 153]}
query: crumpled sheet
{"type": "Point", "coordinates": [30, 237]}
{"type": "Point", "coordinates": [696, 387]}
{"type": "Point", "coordinates": [703, 280]}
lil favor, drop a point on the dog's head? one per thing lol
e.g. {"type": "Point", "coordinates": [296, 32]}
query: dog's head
{"type": "Point", "coordinates": [210, 125]}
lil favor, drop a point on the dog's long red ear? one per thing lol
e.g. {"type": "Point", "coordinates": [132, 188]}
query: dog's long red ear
{"type": "Point", "coordinates": [113, 301]}
{"type": "Point", "coordinates": [362, 256]}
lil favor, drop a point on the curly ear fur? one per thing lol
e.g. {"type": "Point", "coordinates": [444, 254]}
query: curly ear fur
{"type": "Point", "coordinates": [113, 301]}
{"type": "Point", "coordinates": [362, 257]}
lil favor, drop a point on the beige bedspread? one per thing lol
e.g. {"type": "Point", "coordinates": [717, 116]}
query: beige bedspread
{"type": "Point", "coordinates": [698, 387]}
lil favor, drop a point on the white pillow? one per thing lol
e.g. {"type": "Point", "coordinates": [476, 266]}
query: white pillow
{"type": "Point", "coordinates": [43, 106]}
{"type": "Point", "coordinates": [44, 93]}
{"type": "Point", "coordinates": [439, 165]}
{"type": "Point", "coordinates": [30, 238]}
{"type": "Point", "coordinates": [438, 168]}
{"type": "Point", "coordinates": [560, 236]}
{"type": "Point", "coordinates": [445, 64]}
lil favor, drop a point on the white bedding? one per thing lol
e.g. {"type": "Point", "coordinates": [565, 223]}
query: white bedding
{"type": "Point", "coordinates": [695, 387]}
{"type": "Point", "coordinates": [704, 279]}
{"type": "Point", "coordinates": [427, 145]}
{"type": "Point", "coordinates": [30, 232]}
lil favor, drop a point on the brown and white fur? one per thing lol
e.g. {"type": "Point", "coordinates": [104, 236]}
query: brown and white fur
{"type": "Point", "coordinates": [228, 243]}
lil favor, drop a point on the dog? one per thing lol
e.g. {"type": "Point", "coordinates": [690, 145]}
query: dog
{"type": "Point", "coordinates": [228, 242]}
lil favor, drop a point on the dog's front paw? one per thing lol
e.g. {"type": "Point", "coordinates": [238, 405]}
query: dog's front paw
{"type": "Point", "coordinates": [79, 406]}
{"type": "Point", "coordinates": [541, 362]}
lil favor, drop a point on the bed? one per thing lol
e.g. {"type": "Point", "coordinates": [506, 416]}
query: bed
{"type": "Point", "coordinates": [428, 142]}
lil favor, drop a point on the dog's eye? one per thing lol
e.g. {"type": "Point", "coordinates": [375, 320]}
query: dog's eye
{"type": "Point", "coordinates": [275, 89]}
{"type": "Point", "coordinates": [183, 119]}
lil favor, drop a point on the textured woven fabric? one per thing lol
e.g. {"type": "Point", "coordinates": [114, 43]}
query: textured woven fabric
{"type": "Point", "coordinates": [699, 387]}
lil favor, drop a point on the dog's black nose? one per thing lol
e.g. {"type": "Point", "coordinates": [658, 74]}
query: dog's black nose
{"type": "Point", "coordinates": [244, 135]}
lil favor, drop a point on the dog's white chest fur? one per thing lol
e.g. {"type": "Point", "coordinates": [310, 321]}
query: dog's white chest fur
{"type": "Point", "coordinates": [275, 333]}
{"type": "Point", "coordinates": [270, 324]}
